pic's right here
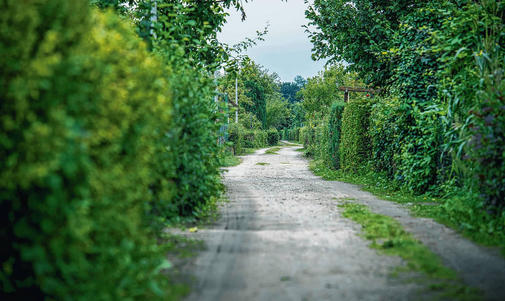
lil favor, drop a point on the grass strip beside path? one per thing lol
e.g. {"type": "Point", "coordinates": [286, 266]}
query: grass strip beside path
{"type": "Point", "coordinates": [389, 237]}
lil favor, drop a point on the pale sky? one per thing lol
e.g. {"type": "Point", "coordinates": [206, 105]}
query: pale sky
{"type": "Point", "coordinates": [287, 48]}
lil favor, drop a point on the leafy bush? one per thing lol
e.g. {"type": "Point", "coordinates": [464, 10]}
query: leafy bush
{"type": "Point", "coordinates": [83, 112]}
{"type": "Point", "coordinates": [272, 137]}
{"type": "Point", "coordinates": [308, 138]}
{"type": "Point", "coordinates": [354, 145]}
{"type": "Point", "coordinates": [334, 133]}
{"type": "Point", "coordinates": [236, 137]}
{"type": "Point", "coordinates": [387, 127]}
{"type": "Point", "coordinates": [255, 138]}
{"type": "Point", "coordinates": [486, 150]}
{"type": "Point", "coordinates": [192, 137]}
{"type": "Point", "coordinates": [292, 134]}
{"type": "Point", "coordinates": [260, 138]}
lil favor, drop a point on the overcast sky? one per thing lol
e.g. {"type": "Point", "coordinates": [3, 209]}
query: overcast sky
{"type": "Point", "coordinates": [287, 48]}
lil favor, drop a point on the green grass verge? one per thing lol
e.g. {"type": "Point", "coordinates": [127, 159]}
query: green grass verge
{"type": "Point", "coordinates": [389, 237]}
{"type": "Point", "coordinates": [458, 211]}
{"type": "Point", "coordinates": [273, 150]}
{"type": "Point", "coordinates": [231, 160]}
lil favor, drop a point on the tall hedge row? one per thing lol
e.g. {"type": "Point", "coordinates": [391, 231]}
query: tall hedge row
{"type": "Point", "coordinates": [100, 141]}
{"type": "Point", "coordinates": [241, 138]}
{"type": "Point", "coordinates": [354, 146]}
{"type": "Point", "coordinates": [273, 136]}
{"type": "Point", "coordinates": [334, 134]}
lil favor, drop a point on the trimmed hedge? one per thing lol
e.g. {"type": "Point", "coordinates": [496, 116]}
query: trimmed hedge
{"type": "Point", "coordinates": [387, 127]}
{"type": "Point", "coordinates": [334, 134]}
{"type": "Point", "coordinates": [192, 147]}
{"type": "Point", "coordinates": [272, 137]}
{"type": "Point", "coordinates": [255, 138]}
{"type": "Point", "coordinates": [355, 142]}
{"type": "Point", "coordinates": [236, 137]}
{"type": "Point", "coordinates": [83, 114]}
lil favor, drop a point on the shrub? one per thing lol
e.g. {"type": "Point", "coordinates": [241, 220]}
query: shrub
{"type": "Point", "coordinates": [320, 145]}
{"type": "Point", "coordinates": [486, 150]}
{"type": "Point", "coordinates": [260, 138]}
{"type": "Point", "coordinates": [249, 139]}
{"type": "Point", "coordinates": [334, 132]}
{"type": "Point", "coordinates": [355, 146]}
{"type": "Point", "coordinates": [83, 109]}
{"type": "Point", "coordinates": [236, 137]}
{"type": "Point", "coordinates": [255, 138]}
{"type": "Point", "coordinates": [272, 136]}
{"type": "Point", "coordinates": [192, 146]}
{"type": "Point", "coordinates": [387, 126]}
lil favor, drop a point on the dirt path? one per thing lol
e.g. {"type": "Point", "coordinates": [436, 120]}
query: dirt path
{"type": "Point", "coordinates": [281, 237]}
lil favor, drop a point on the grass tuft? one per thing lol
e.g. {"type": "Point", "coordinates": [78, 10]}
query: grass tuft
{"type": "Point", "coordinates": [273, 150]}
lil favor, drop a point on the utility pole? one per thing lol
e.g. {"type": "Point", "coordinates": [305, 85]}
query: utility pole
{"type": "Point", "coordinates": [236, 97]}
{"type": "Point", "coordinates": [154, 17]}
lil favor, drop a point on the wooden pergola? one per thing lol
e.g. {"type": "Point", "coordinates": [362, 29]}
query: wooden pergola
{"type": "Point", "coordinates": [355, 89]}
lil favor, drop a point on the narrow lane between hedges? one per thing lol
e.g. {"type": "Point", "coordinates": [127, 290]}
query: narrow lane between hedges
{"type": "Point", "coordinates": [282, 237]}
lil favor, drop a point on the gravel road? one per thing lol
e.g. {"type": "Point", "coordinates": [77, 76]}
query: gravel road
{"type": "Point", "coordinates": [281, 237]}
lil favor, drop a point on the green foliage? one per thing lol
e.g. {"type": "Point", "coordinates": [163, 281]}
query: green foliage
{"type": "Point", "coordinates": [334, 134]}
{"type": "Point", "coordinates": [440, 59]}
{"type": "Point", "coordinates": [255, 139]}
{"type": "Point", "coordinates": [191, 25]}
{"type": "Point", "coordinates": [358, 34]}
{"type": "Point", "coordinates": [354, 145]}
{"type": "Point", "coordinates": [236, 137]}
{"type": "Point", "coordinates": [273, 137]}
{"type": "Point", "coordinates": [277, 112]}
{"type": "Point", "coordinates": [386, 129]}
{"type": "Point", "coordinates": [289, 90]}
{"type": "Point", "coordinates": [308, 138]}
{"type": "Point", "coordinates": [84, 110]}
{"type": "Point", "coordinates": [321, 91]}
{"type": "Point", "coordinates": [192, 138]}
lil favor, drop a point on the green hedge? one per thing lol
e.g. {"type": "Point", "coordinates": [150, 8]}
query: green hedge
{"type": "Point", "coordinates": [255, 138]}
{"type": "Point", "coordinates": [83, 112]}
{"type": "Point", "coordinates": [272, 137]}
{"type": "Point", "coordinates": [355, 142]}
{"type": "Point", "coordinates": [236, 138]}
{"type": "Point", "coordinates": [192, 147]}
{"type": "Point", "coordinates": [292, 134]}
{"type": "Point", "coordinates": [334, 134]}
{"type": "Point", "coordinates": [387, 127]}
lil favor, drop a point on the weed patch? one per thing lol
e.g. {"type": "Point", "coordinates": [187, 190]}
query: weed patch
{"type": "Point", "coordinates": [230, 160]}
{"type": "Point", "coordinates": [273, 150]}
{"type": "Point", "coordinates": [262, 163]}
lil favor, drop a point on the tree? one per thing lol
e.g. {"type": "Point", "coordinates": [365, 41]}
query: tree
{"type": "Point", "coordinates": [358, 32]}
{"type": "Point", "coordinates": [322, 90]}
{"type": "Point", "coordinates": [277, 111]}
{"type": "Point", "coordinates": [290, 89]}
